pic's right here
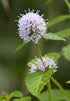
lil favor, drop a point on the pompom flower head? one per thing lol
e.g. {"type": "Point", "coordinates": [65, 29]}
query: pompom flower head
{"type": "Point", "coordinates": [31, 27]}
{"type": "Point", "coordinates": [40, 66]}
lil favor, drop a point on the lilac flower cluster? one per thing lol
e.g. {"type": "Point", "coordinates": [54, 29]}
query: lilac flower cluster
{"type": "Point", "coordinates": [40, 66]}
{"type": "Point", "coordinates": [31, 27]}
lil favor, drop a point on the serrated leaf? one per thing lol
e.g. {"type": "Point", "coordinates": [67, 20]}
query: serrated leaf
{"type": "Point", "coordinates": [57, 20]}
{"type": "Point", "coordinates": [24, 99]}
{"type": "Point", "coordinates": [51, 36]}
{"type": "Point", "coordinates": [16, 94]}
{"type": "Point", "coordinates": [68, 82]}
{"type": "Point", "coordinates": [19, 47]}
{"type": "Point", "coordinates": [48, 1]}
{"type": "Point", "coordinates": [54, 56]}
{"type": "Point", "coordinates": [66, 51]}
{"type": "Point", "coordinates": [57, 95]}
{"type": "Point", "coordinates": [35, 82]}
{"type": "Point", "coordinates": [64, 33]}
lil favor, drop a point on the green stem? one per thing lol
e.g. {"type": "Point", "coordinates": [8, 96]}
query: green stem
{"type": "Point", "coordinates": [48, 84]}
{"type": "Point", "coordinates": [68, 4]}
{"type": "Point", "coordinates": [39, 52]}
{"type": "Point", "coordinates": [60, 87]}
{"type": "Point", "coordinates": [49, 90]}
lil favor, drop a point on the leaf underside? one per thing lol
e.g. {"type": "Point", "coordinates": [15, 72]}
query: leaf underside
{"type": "Point", "coordinates": [51, 36]}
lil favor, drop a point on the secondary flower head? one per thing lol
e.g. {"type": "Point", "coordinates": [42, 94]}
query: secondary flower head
{"type": "Point", "coordinates": [31, 27]}
{"type": "Point", "coordinates": [38, 66]}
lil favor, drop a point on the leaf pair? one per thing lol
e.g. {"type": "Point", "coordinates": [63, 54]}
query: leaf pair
{"type": "Point", "coordinates": [35, 82]}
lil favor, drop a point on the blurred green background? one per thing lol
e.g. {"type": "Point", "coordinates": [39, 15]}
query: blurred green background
{"type": "Point", "coordinates": [13, 67]}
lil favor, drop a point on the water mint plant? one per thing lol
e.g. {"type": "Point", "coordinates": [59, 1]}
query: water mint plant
{"type": "Point", "coordinates": [32, 27]}
{"type": "Point", "coordinates": [42, 69]}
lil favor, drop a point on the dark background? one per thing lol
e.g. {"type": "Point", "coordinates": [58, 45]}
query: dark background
{"type": "Point", "coordinates": [13, 67]}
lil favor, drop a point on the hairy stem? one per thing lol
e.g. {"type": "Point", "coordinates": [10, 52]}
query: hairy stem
{"type": "Point", "coordinates": [49, 90]}
{"type": "Point", "coordinates": [66, 94]}
{"type": "Point", "coordinates": [39, 52]}
{"type": "Point", "coordinates": [48, 84]}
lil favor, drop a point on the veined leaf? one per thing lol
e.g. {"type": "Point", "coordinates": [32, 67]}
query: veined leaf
{"type": "Point", "coordinates": [57, 95]}
{"type": "Point", "coordinates": [16, 94]}
{"type": "Point", "coordinates": [19, 47]}
{"type": "Point", "coordinates": [54, 56]}
{"type": "Point", "coordinates": [48, 1]}
{"type": "Point", "coordinates": [52, 36]}
{"type": "Point", "coordinates": [64, 34]}
{"type": "Point", "coordinates": [35, 82]}
{"type": "Point", "coordinates": [68, 82]}
{"type": "Point", "coordinates": [24, 99]}
{"type": "Point", "coordinates": [57, 20]}
{"type": "Point", "coordinates": [66, 51]}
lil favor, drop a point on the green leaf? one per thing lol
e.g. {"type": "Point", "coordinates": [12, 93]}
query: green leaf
{"type": "Point", "coordinates": [58, 35]}
{"type": "Point", "coordinates": [19, 47]}
{"type": "Point", "coordinates": [32, 62]}
{"type": "Point", "coordinates": [57, 95]}
{"type": "Point", "coordinates": [57, 20]}
{"type": "Point", "coordinates": [16, 94]}
{"type": "Point", "coordinates": [54, 56]}
{"type": "Point", "coordinates": [4, 96]}
{"type": "Point", "coordinates": [3, 100]}
{"type": "Point", "coordinates": [66, 51]}
{"type": "Point", "coordinates": [52, 36]}
{"type": "Point", "coordinates": [64, 34]}
{"type": "Point", "coordinates": [68, 82]}
{"type": "Point", "coordinates": [24, 99]}
{"type": "Point", "coordinates": [48, 1]}
{"type": "Point", "coordinates": [35, 82]}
